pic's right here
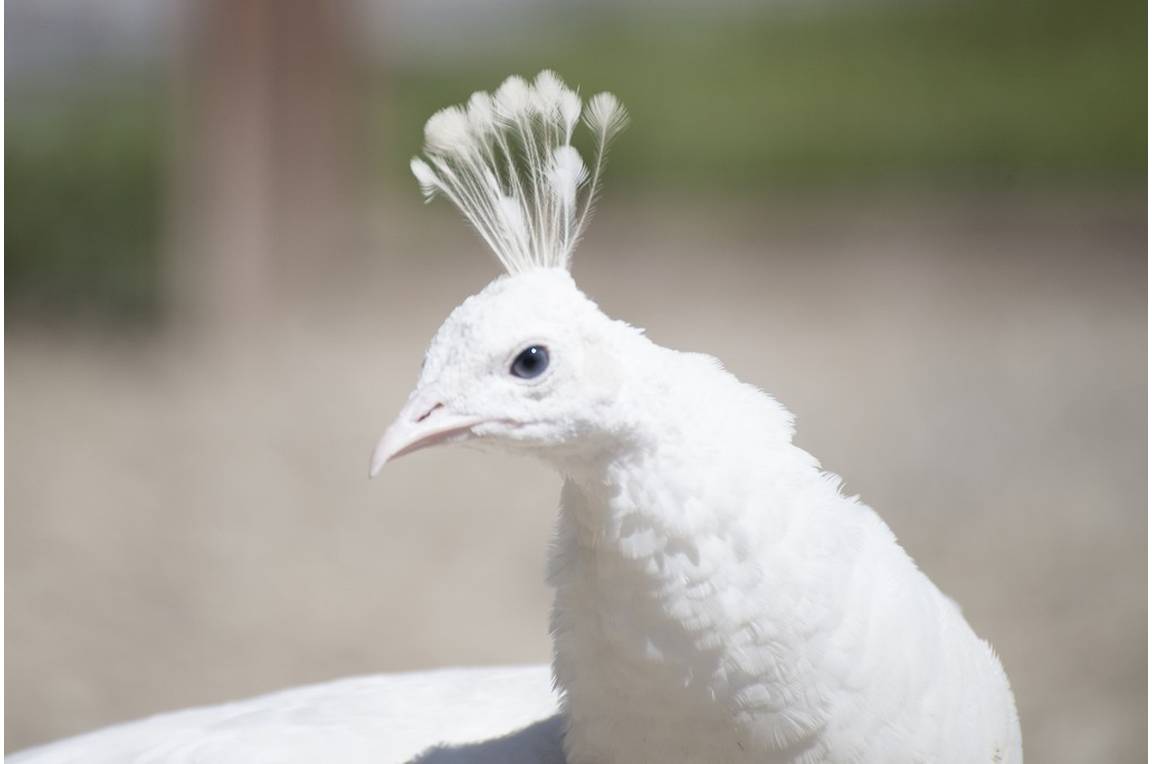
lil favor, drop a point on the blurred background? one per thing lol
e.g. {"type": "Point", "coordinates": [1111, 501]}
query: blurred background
{"type": "Point", "coordinates": [919, 223]}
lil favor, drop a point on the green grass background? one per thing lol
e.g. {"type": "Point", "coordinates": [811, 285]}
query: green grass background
{"type": "Point", "coordinates": [1017, 94]}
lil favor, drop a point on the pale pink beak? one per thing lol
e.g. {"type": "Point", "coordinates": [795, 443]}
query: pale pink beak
{"type": "Point", "coordinates": [421, 423]}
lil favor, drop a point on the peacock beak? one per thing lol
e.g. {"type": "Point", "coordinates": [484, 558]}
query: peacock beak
{"type": "Point", "coordinates": [421, 423]}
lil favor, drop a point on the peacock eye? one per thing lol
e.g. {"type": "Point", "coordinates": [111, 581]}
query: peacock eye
{"type": "Point", "coordinates": [531, 362]}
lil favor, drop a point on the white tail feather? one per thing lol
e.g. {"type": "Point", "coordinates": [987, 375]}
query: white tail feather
{"type": "Point", "coordinates": [507, 161]}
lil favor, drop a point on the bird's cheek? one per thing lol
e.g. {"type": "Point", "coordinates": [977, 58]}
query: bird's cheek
{"type": "Point", "coordinates": [605, 374]}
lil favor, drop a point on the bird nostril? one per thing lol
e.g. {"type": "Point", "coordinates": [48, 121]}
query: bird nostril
{"type": "Point", "coordinates": [429, 412]}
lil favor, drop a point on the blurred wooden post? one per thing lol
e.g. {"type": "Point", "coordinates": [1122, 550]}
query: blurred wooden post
{"type": "Point", "coordinates": [259, 168]}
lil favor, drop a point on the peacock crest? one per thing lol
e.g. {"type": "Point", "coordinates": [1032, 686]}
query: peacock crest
{"type": "Point", "coordinates": [506, 160]}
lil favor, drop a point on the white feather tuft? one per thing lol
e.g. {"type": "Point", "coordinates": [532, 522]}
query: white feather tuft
{"type": "Point", "coordinates": [481, 113]}
{"type": "Point", "coordinates": [570, 107]}
{"type": "Point", "coordinates": [566, 174]}
{"type": "Point", "coordinates": [507, 161]}
{"type": "Point", "coordinates": [606, 115]}
{"type": "Point", "coordinates": [447, 130]}
{"type": "Point", "coordinates": [513, 97]}
{"type": "Point", "coordinates": [547, 90]}
{"type": "Point", "coordinates": [426, 177]}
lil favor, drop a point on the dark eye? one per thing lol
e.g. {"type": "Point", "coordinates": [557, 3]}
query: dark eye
{"type": "Point", "coordinates": [531, 362]}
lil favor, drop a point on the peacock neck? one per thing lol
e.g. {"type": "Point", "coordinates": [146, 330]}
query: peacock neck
{"type": "Point", "coordinates": [655, 590]}
{"type": "Point", "coordinates": [674, 560]}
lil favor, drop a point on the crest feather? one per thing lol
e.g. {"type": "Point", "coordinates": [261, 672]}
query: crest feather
{"type": "Point", "coordinates": [506, 160]}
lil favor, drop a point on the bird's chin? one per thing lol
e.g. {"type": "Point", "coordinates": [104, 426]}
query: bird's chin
{"type": "Point", "coordinates": [500, 434]}
{"type": "Point", "coordinates": [512, 437]}
{"type": "Point", "coordinates": [563, 449]}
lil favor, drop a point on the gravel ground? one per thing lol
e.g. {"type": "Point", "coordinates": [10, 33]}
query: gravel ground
{"type": "Point", "coordinates": [189, 519]}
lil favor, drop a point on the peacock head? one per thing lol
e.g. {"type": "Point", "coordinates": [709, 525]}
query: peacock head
{"type": "Point", "coordinates": [529, 363]}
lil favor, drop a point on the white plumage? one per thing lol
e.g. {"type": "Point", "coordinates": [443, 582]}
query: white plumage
{"type": "Point", "coordinates": [718, 599]}
{"type": "Point", "coordinates": [464, 716]}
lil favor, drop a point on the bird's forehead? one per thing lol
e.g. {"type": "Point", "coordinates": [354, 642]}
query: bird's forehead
{"type": "Point", "coordinates": [513, 304]}
{"type": "Point", "coordinates": [509, 309]}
